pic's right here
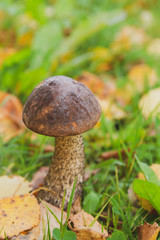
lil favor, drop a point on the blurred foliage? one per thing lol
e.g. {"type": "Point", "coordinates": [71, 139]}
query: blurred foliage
{"type": "Point", "coordinates": [114, 48]}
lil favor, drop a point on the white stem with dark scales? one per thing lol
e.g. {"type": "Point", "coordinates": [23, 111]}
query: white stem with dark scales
{"type": "Point", "coordinates": [67, 164]}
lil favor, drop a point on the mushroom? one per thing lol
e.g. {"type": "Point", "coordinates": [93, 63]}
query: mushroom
{"type": "Point", "coordinates": [63, 108]}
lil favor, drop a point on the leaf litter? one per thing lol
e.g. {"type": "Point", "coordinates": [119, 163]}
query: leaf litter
{"type": "Point", "coordinates": [18, 214]}
{"type": "Point", "coordinates": [80, 224]}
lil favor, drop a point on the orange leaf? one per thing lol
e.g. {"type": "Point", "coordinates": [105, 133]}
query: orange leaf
{"type": "Point", "coordinates": [148, 231]}
{"type": "Point", "coordinates": [94, 83]}
{"type": "Point", "coordinates": [10, 116]}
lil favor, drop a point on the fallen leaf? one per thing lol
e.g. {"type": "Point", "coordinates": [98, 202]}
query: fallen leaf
{"type": "Point", "coordinates": [18, 214]}
{"type": "Point", "coordinates": [154, 47]}
{"type": "Point", "coordinates": [10, 116]}
{"type": "Point", "coordinates": [141, 76]}
{"type": "Point", "coordinates": [150, 103]}
{"type": "Point", "coordinates": [31, 235]}
{"type": "Point", "coordinates": [76, 207]}
{"type": "Point", "coordinates": [114, 154]}
{"type": "Point", "coordinates": [38, 177]}
{"type": "Point", "coordinates": [148, 231]}
{"type": "Point", "coordinates": [52, 221]}
{"type": "Point", "coordinates": [79, 224]}
{"type": "Point", "coordinates": [88, 173]}
{"type": "Point", "coordinates": [111, 110]}
{"type": "Point", "coordinates": [155, 167]}
{"type": "Point", "coordinates": [131, 195]}
{"type": "Point", "coordinates": [48, 148]}
{"type": "Point", "coordinates": [13, 185]}
{"type": "Point", "coordinates": [94, 83]}
{"type": "Point", "coordinates": [135, 35]}
{"type": "Point", "coordinates": [146, 18]}
{"type": "Point", "coordinates": [122, 96]}
{"type": "Point", "coordinates": [129, 36]}
{"type": "Point", "coordinates": [11, 104]}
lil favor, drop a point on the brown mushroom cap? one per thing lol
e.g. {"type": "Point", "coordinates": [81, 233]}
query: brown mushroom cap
{"type": "Point", "coordinates": [61, 106]}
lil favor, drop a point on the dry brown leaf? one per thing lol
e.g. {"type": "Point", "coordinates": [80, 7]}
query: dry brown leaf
{"type": "Point", "coordinates": [52, 222]}
{"type": "Point", "coordinates": [148, 231]}
{"type": "Point", "coordinates": [10, 104]}
{"type": "Point", "coordinates": [31, 235]}
{"type": "Point", "coordinates": [140, 76]}
{"type": "Point", "coordinates": [18, 215]}
{"type": "Point", "coordinates": [76, 207]}
{"type": "Point", "coordinates": [13, 185]}
{"type": "Point", "coordinates": [114, 154]}
{"type": "Point", "coordinates": [150, 103]}
{"type": "Point", "coordinates": [38, 177]}
{"type": "Point", "coordinates": [10, 116]}
{"type": "Point", "coordinates": [79, 224]}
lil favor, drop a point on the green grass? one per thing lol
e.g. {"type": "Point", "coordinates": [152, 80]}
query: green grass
{"type": "Point", "coordinates": [65, 42]}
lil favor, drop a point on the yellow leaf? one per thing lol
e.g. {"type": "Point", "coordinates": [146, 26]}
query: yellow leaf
{"type": "Point", "coordinates": [18, 215]}
{"type": "Point", "coordinates": [154, 47]}
{"type": "Point", "coordinates": [141, 76]}
{"type": "Point", "coordinates": [150, 103]}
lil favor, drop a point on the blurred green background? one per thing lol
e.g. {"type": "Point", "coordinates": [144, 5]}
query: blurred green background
{"type": "Point", "coordinates": [42, 38]}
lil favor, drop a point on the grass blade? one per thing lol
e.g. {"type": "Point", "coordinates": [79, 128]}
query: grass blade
{"type": "Point", "coordinates": [71, 198]}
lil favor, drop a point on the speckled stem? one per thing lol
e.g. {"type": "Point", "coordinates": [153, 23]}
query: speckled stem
{"type": "Point", "coordinates": [68, 163]}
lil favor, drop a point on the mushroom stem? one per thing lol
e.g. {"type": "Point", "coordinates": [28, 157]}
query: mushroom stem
{"type": "Point", "coordinates": [67, 164]}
